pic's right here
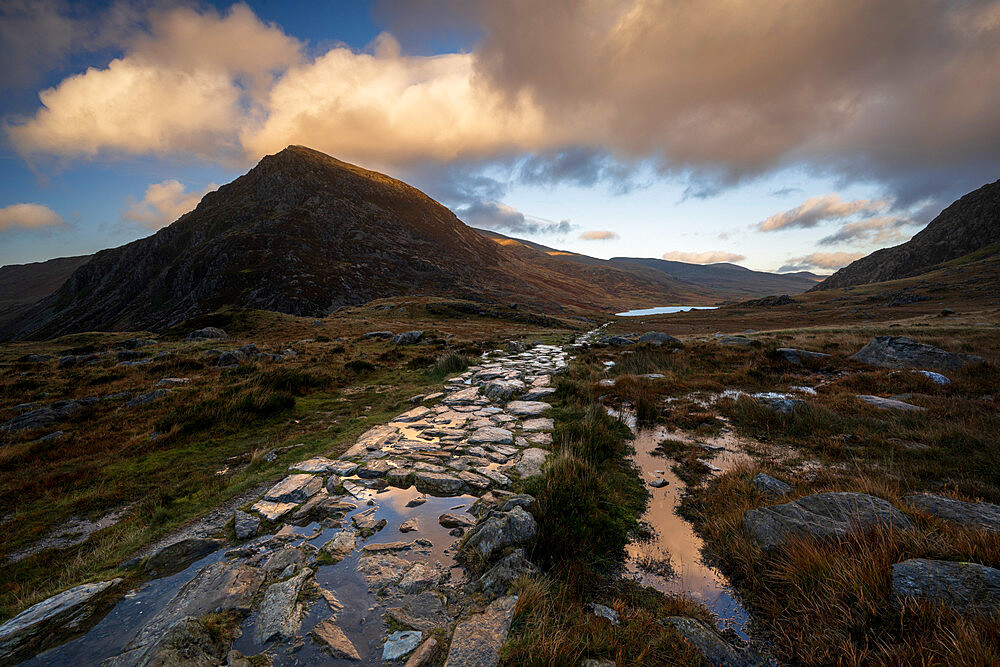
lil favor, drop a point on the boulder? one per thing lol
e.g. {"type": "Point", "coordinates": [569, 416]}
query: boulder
{"type": "Point", "coordinates": [822, 515]}
{"type": "Point", "coordinates": [231, 358]}
{"type": "Point", "coordinates": [280, 613]}
{"type": "Point", "coordinates": [47, 622]}
{"type": "Point", "coordinates": [42, 417]}
{"type": "Point", "coordinates": [178, 555]}
{"type": "Point", "coordinates": [904, 352]}
{"type": "Point", "coordinates": [936, 378]}
{"type": "Point", "coordinates": [966, 587]}
{"type": "Point", "coordinates": [798, 357]}
{"type": "Point", "coordinates": [737, 341]}
{"type": "Point", "coordinates": [658, 338]}
{"type": "Point", "coordinates": [478, 639]}
{"type": "Point", "coordinates": [328, 635]}
{"type": "Point", "coordinates": [984, 516]}
{"type": "Point", "coordinates": [782, 405]}
{"type": "Point", "coordinates": [424, 655]}
{"type": "Point", "coordinates": [770, 486]}
{"type": "Point", "coordinates": [383, 335]}
{"type": "Point", "coordinates": [408, 338]}
{"type": "Point", "coordinates": [616, 341]}
{"type": "Point", "coordinates": [713, 648]}
{"type": "Point", "coordinates": [499, 531]}
{"type": "Point", "coordinates": [889, 403]}
{"type": "Point", "coordinates": [208, 333]}
{"type": "Point", "coordinates": [457, 520]}
{"type": "Point", "coordinates": [505, 572]}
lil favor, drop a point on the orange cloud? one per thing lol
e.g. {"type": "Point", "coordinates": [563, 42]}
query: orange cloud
{"type": "Point", "coordinates": [28, 216]}
{"type": "Point", "coordinates": [708, 257]}
{"type": "Point", "coordinates": [165, 202]}
{"type": "Point", "coordinates": [598, 235]}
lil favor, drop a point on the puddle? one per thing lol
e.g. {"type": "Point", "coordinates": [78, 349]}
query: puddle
{"type": "Point", "coordinates": [674, 540]}
{"type": "Point", "coordinates": [663, 310]}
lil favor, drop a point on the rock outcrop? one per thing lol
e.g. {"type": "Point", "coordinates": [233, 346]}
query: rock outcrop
{"type": "Point", "coordinates": [904, 352]}
{"type": "Point", "coordinates": [966, 587]}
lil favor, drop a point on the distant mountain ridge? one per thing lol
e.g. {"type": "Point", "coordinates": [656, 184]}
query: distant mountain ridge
{"type": "Point", "coordinates": [967, 225]}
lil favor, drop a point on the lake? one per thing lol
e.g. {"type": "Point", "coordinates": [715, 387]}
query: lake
{"type": "Point", "coordinates": [663, 309]}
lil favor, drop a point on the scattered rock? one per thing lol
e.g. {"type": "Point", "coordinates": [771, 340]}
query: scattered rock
{"type": "Point", "coordinates": [400, 643]}
{"type": "Point", "coordinates": [770, 486]}
{"type": "Point", "coordinates": [967, 587]}
{"type": "Point", "coordinates": [984, 516]}
{"type": "Point", "coordinates": [42, 417]}
{"type": "Point", "coordinates": [936, 378]}
{"type": "Point", "coordinates": [889, 403]}
{"type": "Point", "coordinates": [822, 515]}
{"type": "Point", "coordinates": [148, 397]}
{"type": "Point", "coordinates": [604, 612]}
{"type": "Point", "coordinates": [208, 333]}
{"type": "Point", "coordinates": [785, 406]}
{"type": "Point", "coordinates": [478, 639]}
{"type": "Point", "coordinates": [798, 357]}
{"type": "Point", "coordinates": [333, 639]}
{"type": "Point", "coordinates": [45, 623]}
{"type": "Point", "coordinates": [499, 531]}
{"type": "Point", "coordinates": [407, 338]}
{"type": "Point", "coordinates": [904, 352]}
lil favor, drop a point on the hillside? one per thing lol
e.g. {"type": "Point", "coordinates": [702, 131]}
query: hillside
{"type": "Point", "coordinates": [303, 233]}
{"type": "Point", "coordinates": [23, 284]}
{"type": "Point", "coordinates": [735, 281]}
{"type": "Point", "coordinates": [969, 224]}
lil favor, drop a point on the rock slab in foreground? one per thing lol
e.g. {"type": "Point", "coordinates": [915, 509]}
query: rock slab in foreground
{"type": "Point", "coordinates": [984, 516]}
{"type": "Point", "coordinates": [477, 640]}
{"type": "Point", "coordinates": [43, 624]}
{"type": "Point", "coordinates": [967, 587]}
{"type": "Point", "coordinates": [281, 613]}
{"type": "Point", "coordinates": [336, 642]}
{"type": "Point", "coordinates": [716, 650]}
{"type": "Point", "coordinates": [904, 352]}
{"type": "Point", "coordinates": [823, 515]}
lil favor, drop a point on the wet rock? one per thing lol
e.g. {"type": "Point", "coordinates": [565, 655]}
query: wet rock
{"type": "Point", "coordinates": [245, 525]}
{"type": "Point", "coordinates": [531, 462]}
{"type": "Point", "coordinates": [400, 643]}
{"type": "Point", "coordinates": [208, 333]}
{"type": "Point", "coordinates": [424, 655]}
{"type": "Point", "coordinates": [146, 398]}
{"type": "Point", "coordinates": [889, 403]}
{"type": "Point", "coordinates": [966, 587]}
{"type": "Point", "coordinates": [399, 477]}
{"type": "Point", "coordinates": [341, 545]}
{"type": "Point", "coordinates": [178, 555]}
{"type": "Point", "coordinates": [409, 526]}
{"type": "Point", "coordinates": [280, 613]}
{"type": "Point", "coordinates": [296, 488]}
{"type": "Point", "coordinates": [658, 483]}
{"type": "Point", "coordinates": [798, 357]}
{"type": "Point", "coordinates": [478, 639]}
{"type": "Point", "coordinates": [408, 337]}
{"type": "Point", "coordinates": [716, 650]}
{"type": "Point", "coordinates": [498, 579]}
{"type": "Point", "coordinates": [492, 434]}
{"type": "Point", "coordinates": [423, 611]}
{"type": "Point", "coordinates": [984, 516]}
{"type": "Point", "coordinates": [282, 559]}
{"type": "Point", "coordinates": [220, 586]}
{"type": "Point", "coordinates": [416, 502]}
{"type": "Point", "coordinates": [436, 483]}
{"type": "Point", "coordinates": [186, 642]}
{"type": "Point", "coordinates": [272, 510]}
{"type": "Point", "coordinates": [457, 520]}
{"type": "Point", "coordinates": [822, 515]}
{"type": "Point", "coordinates": [328, 635]}
{"type": "Point", "coordinates": [499, 531]}
{"type": "Point", "coordinates": [527, 408]}
{"type": "Point", "coordinates": [367, 524]}
{"type": "Point", "coordinates": [45, 623]}
{"type": "Point", "coordinates": [770, 486]}
{"type": "Point", "coordinates": [374, 469]}
{"type": "Point", "coordinates": [382, 569]}
{"type": "Point", "coordinates": [904, 352]}
{"type": "Point", "coordinates": [42, 417]}
{"type": "Point", "coordinates": [538, 424]}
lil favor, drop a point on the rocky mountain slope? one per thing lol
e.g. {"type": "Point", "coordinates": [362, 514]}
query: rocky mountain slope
{"type": "Point", "coordinates": [970, 224]}
{"type": "Point", "coordinates": [733, 280]}
{"type": "Point", "coordinates": [303, 233]}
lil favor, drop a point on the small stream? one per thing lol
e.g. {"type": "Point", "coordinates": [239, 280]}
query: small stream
{"type": "Point", "coordinates": [674, 540]}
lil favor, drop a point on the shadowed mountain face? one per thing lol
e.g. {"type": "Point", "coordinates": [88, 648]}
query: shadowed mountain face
{"type": "Point", "coordinates": [732, 280]}
{"type": "Point", "coordinates": [968, 225]}
{"type": "Point", "coordinates": [304, 233]}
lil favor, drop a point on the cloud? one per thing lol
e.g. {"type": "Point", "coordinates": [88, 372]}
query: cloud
{"type": "Point", "coordinates": [785, 191]}
{"type": "Point", "coordinates": [882, 229]}
{"type": "Point", "coordinates": [902, 93]}
{"type": "Point", "coordinates": [28, 216]}
{"type": "Point", "coordinates": [599, 235]}
{"type": "Point", "coordinates": [820, 260]}
{"type": "Point", "coordinates": [708, 257]}
{"type": "Point", "coordinates": [500, 217]}
{"type": "Point", "coordinates": [163, 203]}
{"type": "Point", "coordinates": [819, 209]}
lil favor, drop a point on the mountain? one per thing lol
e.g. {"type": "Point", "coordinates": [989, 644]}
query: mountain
{"type": "Point", "coordinates": [303, 233]}
{"type": "Point", "coordinates": [729, 279]}
{"type": "Point", "coordinates": [23, 284]}
{"type": "Point", "coordinates": [968, 225]}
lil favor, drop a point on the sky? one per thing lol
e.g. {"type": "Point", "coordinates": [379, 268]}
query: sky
{"type": "Point", "coordinates": [779, 135]}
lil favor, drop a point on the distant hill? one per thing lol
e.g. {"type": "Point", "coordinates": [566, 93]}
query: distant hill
{"type": "Point", "coordinates": [303, 233]}
{"type": "Point", "coordinates": [23, 284]}
{"type": "Point", "coordinates": [732, 280]}
{"type": "Point", "coordinates": [968, 225]}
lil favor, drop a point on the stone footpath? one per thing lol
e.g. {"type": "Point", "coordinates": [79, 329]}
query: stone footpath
{"type": "Point", "coordinates": [413, 530]}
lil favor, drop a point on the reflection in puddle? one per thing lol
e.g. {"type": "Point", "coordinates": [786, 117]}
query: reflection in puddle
{"type": "Point", "coordinates": [674, 540]}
